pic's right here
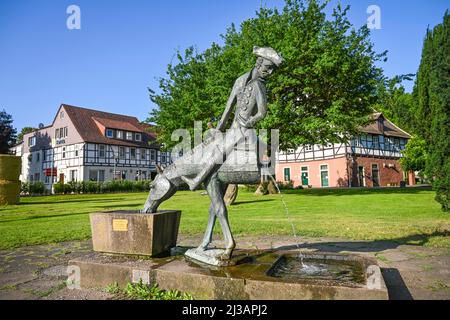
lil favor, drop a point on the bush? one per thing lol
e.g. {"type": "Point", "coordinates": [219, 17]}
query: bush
{"type": "Point", "coordinates": [87, 187]}
{"type": "Point", "coordinates": [36, 188]}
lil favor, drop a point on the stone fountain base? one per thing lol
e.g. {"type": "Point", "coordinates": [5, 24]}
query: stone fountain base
{"type": "Point", "coordinates": [250, 279]}
{"type": "Point", "coordinates": [213, 257]}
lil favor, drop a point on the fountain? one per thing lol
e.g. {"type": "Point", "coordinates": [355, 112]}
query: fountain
{"type": "Point", "coordinates": [141, 246]}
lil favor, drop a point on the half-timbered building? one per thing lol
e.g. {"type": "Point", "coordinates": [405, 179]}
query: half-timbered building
{"type": "Point", "coordinates": [370, 159]}
{"type": "Point", "coordinates": [90, 145]}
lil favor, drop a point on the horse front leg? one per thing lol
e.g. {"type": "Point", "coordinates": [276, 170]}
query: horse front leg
{"type": "Point", "coordinates": [215, 191]}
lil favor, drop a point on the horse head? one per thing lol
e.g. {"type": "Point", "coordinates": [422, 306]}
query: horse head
{"type": "Point", "coordinates": [161, 189]}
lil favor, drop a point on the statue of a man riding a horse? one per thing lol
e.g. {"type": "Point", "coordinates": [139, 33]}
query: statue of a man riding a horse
{"type": "Point", "coordinates": [226, 157]}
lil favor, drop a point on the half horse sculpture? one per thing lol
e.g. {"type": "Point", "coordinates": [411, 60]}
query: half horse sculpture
{"type": "Point", "coordinates": [222, 159]}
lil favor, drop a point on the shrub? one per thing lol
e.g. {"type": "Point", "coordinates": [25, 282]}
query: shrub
{"type": "Point", "coordinates": [36, 188]}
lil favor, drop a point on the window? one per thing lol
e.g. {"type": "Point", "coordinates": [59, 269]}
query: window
{"type": "Point", "coordinates": [47, 180]}
{"type": "Point", "coordinates": [37, 177]}
{"type": "Point", "coordinates": [361, 179]}
{"type": "Point", "coordinates": [61, 114]}
{"type": "Point", "coordinates": [73, 175]}
{"type": "Point", "coordinates": [101, 151]}
{"type": "Point", "coordinates": [397, 144]}
{"type": "Point", "coordinates": [93, 175]}
{"type": "Point", "coordinates": [287, 174]}
{"type": "Point", "coordinates": [376, 142]}
{"type": "Point", "coordinates": [308, 147]}
{"type": "Point", "coordinates": [143, 154]}
{"type": "Point", "coordinates": [64, 152]}
{"type": "Point", "coordinates": [375, 175]}
{"type": "Point", "coordinates": [32, 141]}
{"type": "Point", "coordinates": [290, 151]}
{"type": "Point", "coordinates": [57, 134]}
{"type": "Point", "coordinates": [38, 156]}
{"type": "Point", "coordinates": [101, 175]}
{"type": "Point", "coordinates": [121, 152]}
{"type": "Point", "coordinates": [163, 157]}
{"type": "Point", "coordinates": [138, 137]}
{"type": "Point", "coordinates": [109, 133]}
{"type": "Point", "coordinates": [97, 175]}
{"type": "Point", "coordinates": [66, 132]}
{"type": "Point", "coordinates": [119, 134]}
{"type": "Point", "coordinates": [324, 175]}
{"type": "Point", "coordinates": [129, 136]}
{"type": "Point", "coordinates": [133, 153]}
{"type": "Point", "coordinates": [44, 155]}
{"type": "Point", "coordinates": [76, 153]}
{"type": "Point", "coordinates": [152, 155]}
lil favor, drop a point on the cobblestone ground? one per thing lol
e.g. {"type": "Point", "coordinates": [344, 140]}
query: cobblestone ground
{"type": "Point", "coordinates": [410, 272]}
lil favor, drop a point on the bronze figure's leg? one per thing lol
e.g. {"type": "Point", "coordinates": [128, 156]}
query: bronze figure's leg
{"type": "Point", "coordinates": [215, 192]}
{"type": "Point", "coordinates": [209, 229]}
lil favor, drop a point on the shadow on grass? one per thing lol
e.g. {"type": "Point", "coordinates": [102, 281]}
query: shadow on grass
{"type": "Point", "coordinates": [51, 216]}
{"type": "Point", "coordinates": [356, 191]}
{"type": "Point", "coordinates": [237, 203]}
{"type": "Point", "coordinates": [59, 201]}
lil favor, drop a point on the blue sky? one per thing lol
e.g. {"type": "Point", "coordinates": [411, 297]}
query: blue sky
{"type": "Point", "coordinates": [124, 46]}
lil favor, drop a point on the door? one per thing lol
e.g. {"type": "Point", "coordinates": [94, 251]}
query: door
{"type": "Point", "coordinates": [305, 176]}
{"type": "Point", "coordinates": [361, 180]}
{"type": "Point", "coordinates": [61, 178]}
{"type": "Point", "coordinates": [375, 175]}
{"type": "Point", "coordinates": [324, 175]}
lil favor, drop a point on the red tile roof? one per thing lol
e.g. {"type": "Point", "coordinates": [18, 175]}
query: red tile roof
{"type": "Point", "coordinates": [84, 121]}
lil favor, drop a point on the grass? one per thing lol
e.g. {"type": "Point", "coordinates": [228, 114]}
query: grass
{"type": "Point", "coordinates": [141, 291]}
{"type": "Point", "coordinates": [402, 215]}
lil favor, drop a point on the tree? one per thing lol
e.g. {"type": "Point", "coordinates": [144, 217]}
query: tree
{"type": "Point", "coordinates": [432, 94]}
{"type": "Point", "coordinates": [323, 92]}
{"type": "Point", "coordinates": [396, 104]}
{"type": "Point", "coordinates": [414, 155]}
{"type": "Point", "coordinates": [7, 132]}
{"type": "Point", "coordinates": [23, 132]}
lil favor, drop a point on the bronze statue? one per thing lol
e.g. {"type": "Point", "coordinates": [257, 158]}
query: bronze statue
{"type": "Point", "coordinates": [218, 154]}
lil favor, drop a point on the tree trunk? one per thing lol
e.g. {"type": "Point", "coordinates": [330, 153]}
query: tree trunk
{"type": "Point", "coordinates": [231, 194]}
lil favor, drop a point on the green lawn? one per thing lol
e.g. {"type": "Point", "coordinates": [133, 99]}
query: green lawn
{"type": "Point", "coordinates": [403, 215]}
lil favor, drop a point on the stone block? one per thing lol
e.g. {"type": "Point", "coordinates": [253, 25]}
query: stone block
{"type": "Point", "coordinates": [134, 233]}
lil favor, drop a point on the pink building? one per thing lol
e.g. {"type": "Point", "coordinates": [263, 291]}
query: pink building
{"type": "Point", "coordinates": [369, 160]}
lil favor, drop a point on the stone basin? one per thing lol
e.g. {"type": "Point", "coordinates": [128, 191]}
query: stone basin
{"type": "Point", "coordinates": [256, 277]}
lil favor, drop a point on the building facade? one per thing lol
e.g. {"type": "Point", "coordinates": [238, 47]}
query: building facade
{"type": "Point", "coordinates": [368, 160]}
{"type": "Point", "coordinates": [89, 145]}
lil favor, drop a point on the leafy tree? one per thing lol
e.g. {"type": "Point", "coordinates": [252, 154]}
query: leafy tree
{"type": "Point", "coordinates": [414, 155]}
{"type": "Point", "coordinates": [7, 132]}
{"type": "Point", "coordinates": [432, 93]}
{"type": "Point", "coordinates": [396, 104]}
{"type": "Point", "coordinates": [323, 92]}
{"type": "Point", "coordinates": [23, 132]}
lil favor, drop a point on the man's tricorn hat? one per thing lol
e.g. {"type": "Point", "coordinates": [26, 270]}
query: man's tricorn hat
{"type": "Point", "coordinates": [269, 54]}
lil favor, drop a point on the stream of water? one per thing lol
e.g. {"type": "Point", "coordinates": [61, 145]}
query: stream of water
{"type": "Point", "coordinates": [310, 269]}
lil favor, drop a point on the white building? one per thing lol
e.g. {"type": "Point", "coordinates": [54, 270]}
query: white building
{"type": "Point", "coordinates": [89, 145]}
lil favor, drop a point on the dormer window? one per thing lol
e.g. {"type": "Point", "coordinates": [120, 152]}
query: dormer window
{"type": "Point", "coordinates": [129, 136]}
{"type": "Point", "coordinates": [32, 141]}
{"type": "Point", "coordinates": [138, 137]}
{"type": "Point", "coordinates": [109, 133]}
{"type": "Point", "coordinates": [119, 134]}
